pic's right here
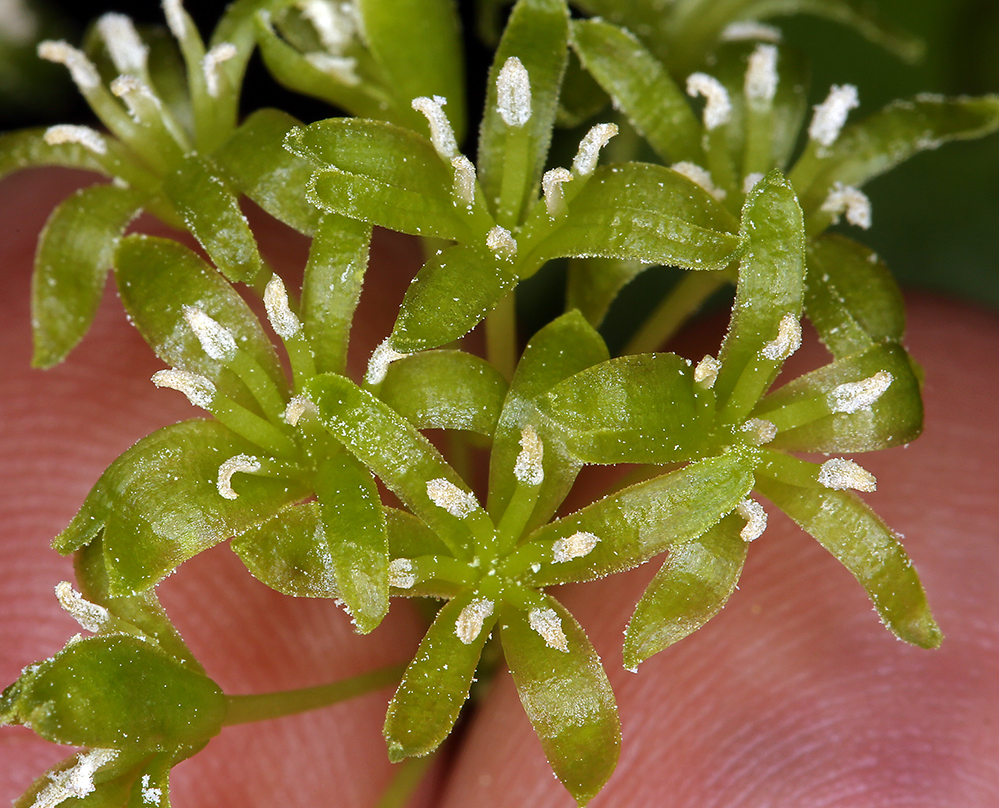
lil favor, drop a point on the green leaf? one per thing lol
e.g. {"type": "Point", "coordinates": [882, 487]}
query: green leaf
{"type": "Point", "coordinates": [630, 409]}
{"type": "Point", "coordinates": [644, 520]}
{"type": "Point", "coordinates": [691, 588]}
{"type": "Point", "coordinates": [290, 553]}
{"type": "Point", "coordinates": [435, 685]}
{"type": "Point", "coordinates": [642, 212]}
{"type": "Point", "coordinates": [445, 390]}
{"type": "Point", "coordinates": [159, 504]}
{"type": "Point", "coordinates": [115, 692]}
{"type": "Point", "coordinates": [593, 283]}
{"type": "Point", "coordinates": [355, 531]}
{"type": "Point", "coordinates": [567, 697]}
{"type": "Point", "coordinates": [211, 212]}
{"type": "Point", "coordinates": [853, 533]}
{"type": "Point", "coordinates": [338, 259]}
{"type": "Point", "coordinates": [450, 295]}
{"type": "Point", "coordinates": [75, 251]}
{"type": "Point", "coordinates": [256, 163]}
{"type": "Point", "coordinates": [383, 174]}
{"type": "Point", "coordinates": [850, 296]}
{"type": "Point", "coordinates": [641, 88]}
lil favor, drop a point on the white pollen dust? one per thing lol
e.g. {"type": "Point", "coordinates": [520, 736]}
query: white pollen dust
{"type": "Point", "coordinates": [400, 573]}
{"type": "Point", "coordinates": [841, 474]}
{"type": "Point", "coordinates": [831, 114]}
{"type": "Point", "coordinates": [214, 58]}
{"type": "Point", "coordinates": [856, 396]}
{"type": "Point", "coordinates": [706, 371]}
{"type": "Point", "coordinates": [513, 93]}
{"type": "Point", "coordinates": [760, 430]}
{"type": "Point", "coordinates": [383, 356]}
{"type": "Point", "coordinates": [124, 45]}
{"type": "Point", "coordinates": [445, 494]}
{"type": "Point", "coordinates": [76, 782]}
{"type": "Point", "coordinates": [246, 464]}
{"type": "Point", "coordinates": [549, 625]}
{"type": "Point", "coordinates": [441, 133]}
{"type": "Point", "coordinates": [787, 341]}
{"type": "Point", "coordinates": [756, 519]}
{"type": "Point", "coordinates": [593, 141]}
{"type": "Point", "coordinates": [501, 243]}
{"type": "Point", "coordinates": [216, 340]}
{"type": "Point", "coordinates": [851, 201]}
{"type": "Point", "coordinates": [279, 312]}
{"type": "Point", "coordinates": [464, 179]}
{"type": "Point", "coordinates": [750, 29]}
{"type": "Point", "coordinates": [81, 69]}
{"type": "Point", "coordinates": [551, 185]}
{"type": "Point", "coordinates": [90, 616]}
{"type": "Point", "coordinates": [199, 390]}
{"type": "Point", "coordinates": [579, 544]}
{"type": "Point", "coordinates": [700, 176]}
{"type": "Point", "coordinates": [468, 626]}
{"type": "Point", "coordinates": [297, 407]}
{"type": "Point", "coordinates": [76, 135]}
{"type": "Point", "coordinates": [529, 468]}
{"type": "Point", "coordinates": [718, 106]}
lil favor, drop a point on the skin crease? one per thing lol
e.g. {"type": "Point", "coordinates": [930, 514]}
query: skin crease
{"type": "Point", "coordinates": [793, 696]}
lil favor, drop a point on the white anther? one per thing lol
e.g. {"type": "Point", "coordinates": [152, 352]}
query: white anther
{"type": "Point", "coordinates": [549, 625]}
{"type": "Point", "coordinates": [124, 45]}
{"type": "Point", "coordinates": [151, 795]}
{"type": "Point", "coordinates": [84, 136]}
{"type": "Point", "coordinates": [464, 179]}
{"type": "Point", "coordinates": [279, 312]}
{"type": "Point", "coordinates": [761, 80]}
{"type": "Point", "coordinates": [134, 92]}
{"type": "Point", "coordinates": [513, 93]}
{"type": "Point", "coordinates": [750, 29]}
{"type": "Point", "coordinates": [718, 109]}
{"type": "Point", "coordinates": [216, 340]}
{"type": "Point", "coordinates": [700, 176]}
{"type": "Point", "coordinates": [756, 519]}
{"type": "Point", "coordinates": [849, 200]}
{"type": "Point", "coordinates": [222, 52]}
{"type": "Point", "coordinates": [245, 464]}
{"type": "Point", "coordinates": [441, 133]}
{"type": "Point", "coordinates": [787, 341]}
{"type": "Point", "coordinates": [529, 469]}
{"type": "Point", "coordinates": [760, 430]}
{"type": "Point", "coordinates": [855, 396]}
{"type": "Point", "coordinates": [750, 180]}
{"type": "Point", "coordinates": [501, 243]}
{"type": "Point", "coordinates": [551, 185]}
{"type": "Point", "coordinates": [577, 545]}
{"type": "Point", "coordinates": [199, 390]}
{"type": "Point", "coordinates": [383, 356]}
{"type": "Point", "coordinates": [831, 114]}
{"type": "Point", "coordinates": [297, 407]}
{"type": "Point", "coordinates": [841, 474]}
{"type": "Point", "coordinates": [400, 573]}
{"type": "Point", "coordinates": [706, 371]}
{"type": "Point", "coordinates": [91, 616]}
{"type": "Point", "coordinates": [81, 69]}
{"type": "Point", "coordinates": [445, 494]}
{"type": "Point", "coordinates": [335, 23]}
{"type": "Point", "coordinates": [593, 141]}
{"type": "Point", "coordinates": [18, 24]}
{"type": "Point", "coordinates": [342, 68]}
{"type": "Point", "coordinates": [468, 626]}
{"type": "Point", "coordinates": [176, 18]}
{"type": "Point", "coordinates": [76, 782]}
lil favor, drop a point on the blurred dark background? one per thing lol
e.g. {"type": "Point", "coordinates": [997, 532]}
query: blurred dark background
{"type": "Point", "coordinates": [936, 219]}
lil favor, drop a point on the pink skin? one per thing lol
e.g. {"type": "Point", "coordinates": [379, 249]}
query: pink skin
{"type": "Point", "coordinates": [793, 696]}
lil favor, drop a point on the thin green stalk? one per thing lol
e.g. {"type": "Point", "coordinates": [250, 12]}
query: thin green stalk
{"type": "Point", "coordinates": [675, 309]}
{"type": "Point", "coordinates": [409, 775]}
{"type": "Point", "coordinates": [501, 336]}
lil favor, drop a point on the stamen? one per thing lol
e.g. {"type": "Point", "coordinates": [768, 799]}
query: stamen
{"type": "Point", "coordinates": [855, 396]}
{"type": "Point", "coordinates": [335, 27]}
{"type": "Point", "coordinates": [831, 114]}
{"type": "Point", "coordinates": [401, 574]}
{"type": "Point", "coordinates": [445, 494]}
{"type": "Point", "coordinates": [548, 624]}
{"type": "Point", "coordinates": [852, 201]}
{"type": "Point", "coordinates": [246, 464]}
{"type": "Point", "coordinates": [787, 341]}
{"type": "Point", "coordinates": [383, 356]}
{"type": "Point", "coordinates": [718, 109]}
{"type": "Point", "coordinates": [756, 519]}
{"type": "Point", "coordinates": [841, 474]}
{"type": "Point", "coordinates": [469, 623]}
{"type": "Point", "coordinates": [750, 29]}
{"type": "Point", "coordinates": [441, 133]}
{"type": "Point", "coordinates": [79, 135]}
{"type": "Point", "coordinates": [696, 174]}
{"type": "Point", "coordinates": [81, 69]}
{"type": "Point", "coordinates": [760, 431]}
{"type": "Point", "coordinates": [76, 782]}
{"type": "Point", "coordinates": [761, 76]}
{"type": "Point", "coordinates": [590, 146]}
{"type": "Point", "coordinates": [135, 93]}
{"type": "Point", "coordinates": [577, 545]}
{"type": "Point", "coordinates": [285, 323]}
{"type": "Point", "coordinates": [529, 469]}
{"type": "Point", "coordinates": [551, 184]}
{"type": "Point", "coordinates": [216, 340]}
{"type": "Point", "coordinates": [750, 180]}
{"type": "Point", "coordinates": [342, 68]}
{"type": "Point", "coordinates": [222, 52]}
{"type": "Point", "coordinates": [296, 408]}
{"type": "Point", "coordinates": [502, 243]}
{"type": "Point", "coordinates": [199, 390]}
{"type": "Point", "coordinates": [464, 179]}
{"type": "Point", "coordinates": [513, 93]}
{"type": "Point", "coordinates": [124, 45]}
{"type": "Point", "coordinates": [706, 372]}
{"type": "Point", "coordinates": [91, 616]}
{"type": "Point", "coordinates": [176, 19]}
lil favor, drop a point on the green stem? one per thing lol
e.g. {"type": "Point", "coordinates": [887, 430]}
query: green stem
{"type": "Point", "coordinates": [264, 706]}
{"type": "Point", "coordinates": [501, 336]}
{"type": "Point", "coordinates": [409, 775]}
{"type": "Point", "coordinates": [675, 309]}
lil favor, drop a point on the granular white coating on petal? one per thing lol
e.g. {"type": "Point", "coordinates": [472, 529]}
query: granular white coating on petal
{"type": "Point", "coordinates": [81, 69]}
{"type": "Point", "coordinates": [79, 135]}
{"type": "Point", "coordinates": [851, 201]}
{"type": "Point", "coordinates": [216, 340]}
{"type": "Point", "coordinates": [199, 390]}
{"type": "Point", "coordinates": [441, 133]}
{"type": "Point", "coordinates": [400, 573]}
{"type": "Point", "coordinates": [77, 781]}
{"type": "Point", "coordinates": [383, 356]}
{"type": "Point", "coordinates": [468, 626]}
{"type": "Point", "coordinates": [701, 176]}
{"type": "Point", "coordinates": [831, 114]}
{"type": "Point", "coordinates": [445, 494]}
{"type": "Point", "coordinates": [750, 180]}
{"type": "Point", "coordinates": [855, 396]}
{"type": "Point", "coordinates": [529, 468]}
{"type": "Point", "coordinates": [246, 464]}
{"type": "Point", "coordinates": [787, 341]}
{"type": "Point", "coordinates": [760, 84]}
{"type": "Point", "coordinates": [549, 625]}
{"type": "Point", "coordinates": [750, 29]}
{"type": "Point", "coordinates": [501, 243]}
{"type": "Point", "coordinates": [593, 141]}
{"type": "Point", "coordinates": [718, 109]}
{"type": "Point", "coordinates": [91, 616]}
{"type": "Point", "coordinates": [760, 430]}
{"type": "Point", "coordinates": [151, 795]}
{"type": "Point", "coordinates": [513, 93]}
{"type": "Point", "coordinates": [123, 43]}
{"type": "Point", "coordinates": [756, 519]}
{"type": "Point", "coordinates": [551, 185]}
{"type": "Point", "coordinates": [464, 179]}
{"type": "Point", "coordinates": [841, 474]}
{"type": "Point", "coordinates": [297, 407]}
{"type": "Point", "coordinates": [335, 23]}
{"type": "Point", "coordinates": [577, 545]}
{"type": "Point", "coordinates": [222, 52]}
{"type": "Point", "coordinates": [706, 371]}
{"type": "Point", "coordinates": [279, 312]}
